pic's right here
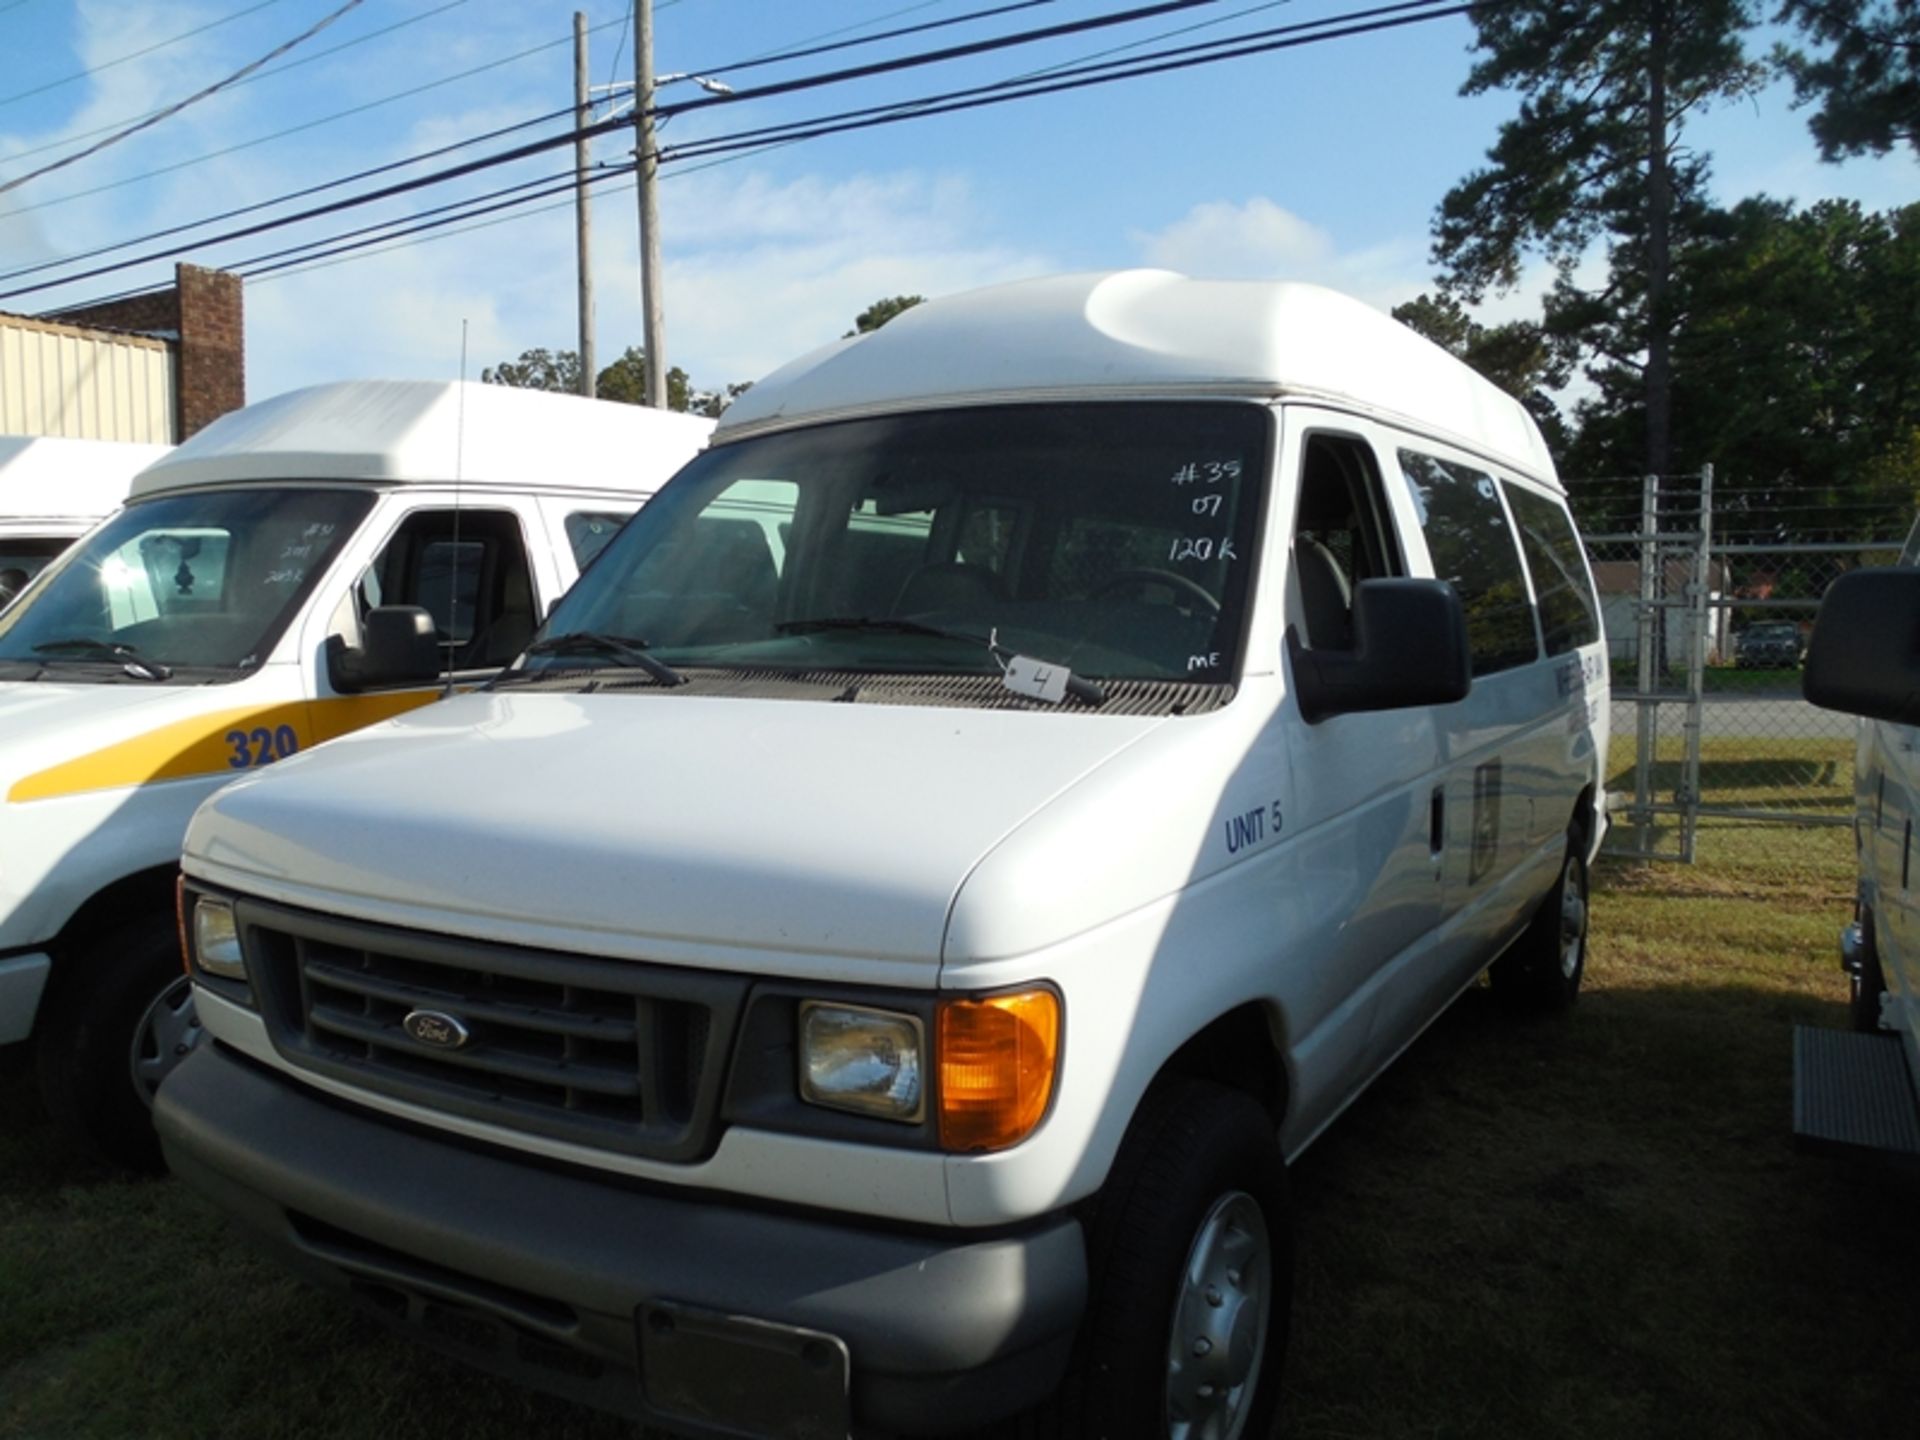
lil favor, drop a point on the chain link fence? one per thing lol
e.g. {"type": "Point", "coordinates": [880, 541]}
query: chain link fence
{"type": "Point", "coordinates": [1708, 597]}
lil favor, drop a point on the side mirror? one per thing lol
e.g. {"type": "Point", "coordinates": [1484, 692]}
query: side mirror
{"type": "Point", "coordinates": [1864, 658]}
{"type": "Point", "coordinates": [401, 649]}
{"type": "Point", "coordinates": [1409, 648]}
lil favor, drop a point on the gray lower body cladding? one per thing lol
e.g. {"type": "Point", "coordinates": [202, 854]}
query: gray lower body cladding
{"type": "Point", "coordinates": [562, 1280]}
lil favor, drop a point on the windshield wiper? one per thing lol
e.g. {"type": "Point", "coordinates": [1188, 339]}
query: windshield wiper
{"type": "Point", "coordinates": [622, 649]}
{"type": "Point", "coordinates": [130, 659]}
{"type": "Point", "coordinates": [1081, 689]}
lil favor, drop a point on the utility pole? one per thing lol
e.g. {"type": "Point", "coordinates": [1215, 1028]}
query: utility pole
{"type": "Point", "coordinates": [653, 315]}
{"type": "Point", "coordinates": [582, 210]}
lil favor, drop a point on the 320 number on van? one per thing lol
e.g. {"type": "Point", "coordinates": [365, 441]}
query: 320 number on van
{"type": "Point", "coordinates": [260, 746]}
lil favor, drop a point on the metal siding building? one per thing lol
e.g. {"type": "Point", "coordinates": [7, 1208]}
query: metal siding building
{"type": "Point", "coordinates": [85, 384]}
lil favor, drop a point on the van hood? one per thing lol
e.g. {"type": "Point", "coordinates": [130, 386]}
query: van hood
{"type": "Point", "coordinates": [58, 738]}
{"type": "Point", "coordinates": [698, 830]}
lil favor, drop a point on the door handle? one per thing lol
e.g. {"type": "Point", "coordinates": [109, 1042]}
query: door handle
{"type": "Point", "coordinates": [1437, 821]}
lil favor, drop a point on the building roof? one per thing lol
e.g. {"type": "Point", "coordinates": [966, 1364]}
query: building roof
{"type": "Point", "coordinates": [1148, 333]}
{"type": "Point", "coordinates": [419, 431]}
{"type": "Point", "coordinates": [51, 477]}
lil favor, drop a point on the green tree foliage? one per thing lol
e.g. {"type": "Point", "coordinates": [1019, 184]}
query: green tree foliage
{"type": "Point", "coordinates": [624, 380]}
{"type": "Point", "coordinates": [1518, 356]}
{"type": "Point", "coordinates": [1865, 77]}
{"type": "Point", "coordinates": [714, 403]}
{"type": "Point", "coordinates": [1595, 154]}
{"type": "Point", "coordinates": [880, 312]}
{"type": "Point", "coordinates": [537, 370]}
{"type": "Point", "coordinates": [1795, 371]}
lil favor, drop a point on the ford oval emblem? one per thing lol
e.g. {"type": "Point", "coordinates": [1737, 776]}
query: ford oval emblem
{"type": "Point", "coordinates": [436, 1028]}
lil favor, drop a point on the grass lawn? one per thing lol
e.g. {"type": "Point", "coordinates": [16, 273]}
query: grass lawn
{"type": "Point", "coordinates": [1720, 679]}
{"type": "Point", "coordinates": [1593, 1226]}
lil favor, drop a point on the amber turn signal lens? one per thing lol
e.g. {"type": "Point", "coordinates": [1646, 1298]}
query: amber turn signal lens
{"type": "Point", "coordinates": [997, 1057]}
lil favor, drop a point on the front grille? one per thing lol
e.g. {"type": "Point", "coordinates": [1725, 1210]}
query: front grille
{"type": "Point", "coordinates": [609, 1053]}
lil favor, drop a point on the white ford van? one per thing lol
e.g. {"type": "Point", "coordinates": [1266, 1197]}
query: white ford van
{"type": "Point", "coordinates": [247, 604]}
{"type": "Point", "coordinates": [872, 958]}
{"type": "Point", "coordinates": [52, 491]}
{"type": "Point", "coordinates": [1854, 1090]}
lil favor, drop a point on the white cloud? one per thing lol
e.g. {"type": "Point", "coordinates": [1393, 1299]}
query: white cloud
{"type": "Point", "coordinates": [758, 271]}
{"type": "Point", "coordinates": [1260, 240]}
{"type": "Point", "coordinates": [761, 270]}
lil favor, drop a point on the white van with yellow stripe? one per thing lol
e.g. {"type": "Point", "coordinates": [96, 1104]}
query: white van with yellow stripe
{"type": "Point", "coordinates": [300, 568]}
{"type": "Point", "coordinates": [53, 489]}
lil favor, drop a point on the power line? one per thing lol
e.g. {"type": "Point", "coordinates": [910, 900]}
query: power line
{"type": "Point", "coordinates": [1361, 22]}
{"type": "Point", "coordinates": [934, 57]}
{"type": "Point", "coordinates": [519, 152]}
{"type": "Point", "coordinates": [602, 127]}
{"type": "Point", "coordinates": [1285, 37]}
{"type": "Point", "coordinates": [310, 58]}
{"type": "Point", "coordinates": [780, 57]}
{"type": "Point", "coordinates": [959, 100]}
{"type": "Point", "coordinates": [321, 188]}
{"type": "Point", "coordinates": [450, 213]}
{"type": "Point", "coordinates": [235, 149]}
{"type": "Point", "coordinates": [620, 45]}
{"type": "Point", "coordinates": [1156, 39]}
{"type": "Point", "coordinates": [302, 268]}
{"type": "Point", "coordinates": [178, 106]}
{"type": "Point", "coordinates": [135, 55]}
{"type": "Point", "coordinates": [411, 91]}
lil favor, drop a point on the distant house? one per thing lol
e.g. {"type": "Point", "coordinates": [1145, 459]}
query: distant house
{"type": "Point", "coordinates": [1618, 582]}
{"type": "Point", "coordinates": [151, 368]}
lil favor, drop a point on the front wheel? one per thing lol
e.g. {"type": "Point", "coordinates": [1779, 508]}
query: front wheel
{"type": "Point", "coordinates": [1192, 1276]}
{"type": "Point", "coordinates": [117, 993]}
{"type": "Point", "coordinates": [1543, 969]}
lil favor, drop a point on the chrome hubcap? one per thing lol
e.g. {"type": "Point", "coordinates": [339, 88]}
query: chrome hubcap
{"type": "Point", "coordinates": [1573, 920]}
{"type": "Point", "coordinates": [165, 1036]}
{"type": "Point", "coordinates": [1220, 1323]}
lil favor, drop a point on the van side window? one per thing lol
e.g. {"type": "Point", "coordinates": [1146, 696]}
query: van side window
{"type": "Point", "coordinates": [1910, 552]}
{"type": "Point", "coordinates": [588, 532]}
{"type": "Point", "coordinates": [1340, 536]}
{"type": "Point", "coordinates": [478, 587]}
{"type": "Point", "coordinates": [1473, 549]}
{"type": "Point", "coordinates": [1569, 613]}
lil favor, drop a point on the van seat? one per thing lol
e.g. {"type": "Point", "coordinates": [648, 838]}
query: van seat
{"type": "Point", "coordinates": [1325, 595]}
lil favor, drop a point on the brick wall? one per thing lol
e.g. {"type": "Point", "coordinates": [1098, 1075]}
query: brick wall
{"type": "Point", "coordinates": [204, 316]}
{"type": "Point", "coordinates": [213, 346]}
{"type": "Point", "coordinates": [146, 314]}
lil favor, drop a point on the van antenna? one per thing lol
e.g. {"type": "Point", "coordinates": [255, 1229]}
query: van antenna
{"type": "Point", "coordinates": [459, 464]}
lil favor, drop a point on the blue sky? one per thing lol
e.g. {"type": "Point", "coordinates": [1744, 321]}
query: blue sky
{"type": "Point", "coordinates": [1321, 163]}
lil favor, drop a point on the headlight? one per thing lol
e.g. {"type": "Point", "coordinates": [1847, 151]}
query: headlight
{"type": "Point", "coordinates": [216, 939]}
{"type": "Point", "coordinates": [867, 1061]}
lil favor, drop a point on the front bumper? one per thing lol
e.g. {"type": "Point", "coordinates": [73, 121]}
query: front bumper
{"type": "Point", "coordinates": [575, 1284]}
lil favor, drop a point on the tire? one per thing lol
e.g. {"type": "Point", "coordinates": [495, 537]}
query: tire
{"type": "Point", "coordinates": [1541, 972]}
{"type": "Point", "coordinates": [1866, 983]}
{"type": "Point", "coordinates": [85, 1045]}
{"type": "Point", "coordinates": [1191, 1276]}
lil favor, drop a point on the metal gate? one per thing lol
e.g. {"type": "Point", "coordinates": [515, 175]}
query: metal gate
{"type": "Point", "coordinates": [1707, 606]}
{"type": "Point", "coordinates": [1657, 646]}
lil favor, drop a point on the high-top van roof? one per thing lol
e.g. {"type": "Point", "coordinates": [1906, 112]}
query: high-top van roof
{"type": "Point", "coordinates": [50, 477]}
{"type": "Point", "coordinates": [1139, 333]}
{"type": "Point", "coordinates": [414, 431]}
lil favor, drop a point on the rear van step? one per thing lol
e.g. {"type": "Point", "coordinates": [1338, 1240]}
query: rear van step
{"type": "Point", "coordinates": [1851, 1092]}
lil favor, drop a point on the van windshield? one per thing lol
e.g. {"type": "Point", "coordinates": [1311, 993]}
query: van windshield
{"type": "Point", "coordinates": [1115, 539]}
{"type": "Point", "coordinates": [192, 587]}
